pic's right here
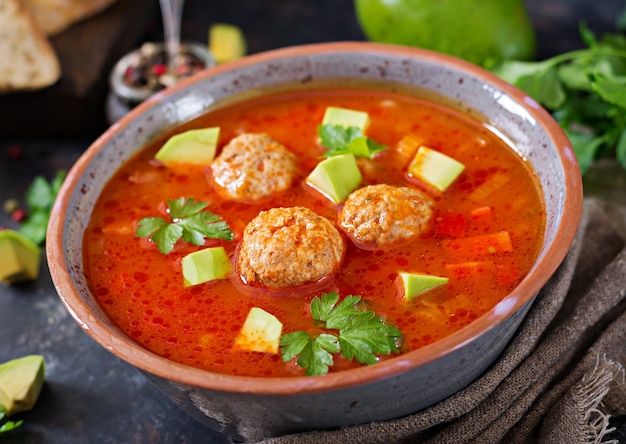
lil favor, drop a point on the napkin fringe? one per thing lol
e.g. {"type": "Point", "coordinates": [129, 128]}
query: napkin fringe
{"type": "Point", "coordinates": [590, 392]}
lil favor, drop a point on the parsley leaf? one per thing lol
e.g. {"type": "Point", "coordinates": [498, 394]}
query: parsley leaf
{"type": "Point", "coordinates": [8, 425]}
{"type": "Point", "coordinates": [314, 355]}
{"type": "Point", "coordinates": [39, 200]}
{"type": "Point", "coordinates": [365, 335]}
{"type": "Point", "coordinates": [338, 140]}
{"type": "Point", "coordinates": [188, 221]}
{"type": "Point", "coordinates": [585, 90]}
{"type": "Point", "coordinates": [361, 335]}
{"type": "Point", "coordinates": [334, 316]}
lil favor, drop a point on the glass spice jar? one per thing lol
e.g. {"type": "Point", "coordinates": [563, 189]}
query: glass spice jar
{"type": "Point", "coordinates": [144, 72]}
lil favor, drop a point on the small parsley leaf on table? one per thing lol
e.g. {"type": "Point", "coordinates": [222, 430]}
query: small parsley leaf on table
{"type": "Point", "coordinates": [39, 200]}
{"type": "Point", "coordinates": [360, 335]}
{"type": "Point", "coordinates": [8, 425]}
{"type": "Point", "coordinates": [188, 220]}
{"type": "Point", "coordinates": [338, 140]}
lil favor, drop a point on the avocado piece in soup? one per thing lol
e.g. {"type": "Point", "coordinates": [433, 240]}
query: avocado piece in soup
{"type": "Point", "coordinates": [195, 147]}
{"type": "Point", "coordinates": [21, 380]}
{"type": "Point", "coordinates": [19, 258]}
{"type": "Point", "coordinates": [345, 117]}
{"type": "Point", "coordinates": [415, 284]}
{"type": "Point", "coordinates": [205, 265]}
{"type": "Point", "coordinates": [336, 177]}
{"type": "Point", "coordinates": [435, 168]}
{"type": "Point", "coordinates": [260, 332]}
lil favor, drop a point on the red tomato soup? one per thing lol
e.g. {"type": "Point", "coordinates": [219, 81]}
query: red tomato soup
{"type": "Point", "coordinates": [485, 233]}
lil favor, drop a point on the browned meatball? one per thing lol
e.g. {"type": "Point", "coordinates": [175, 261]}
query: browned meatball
{"type": "Point", "coordinates": [287, 247]}
{"type": "Point", "coordinates": [252, 167]}
{"type": "Point", "coordinates": [380, 216]}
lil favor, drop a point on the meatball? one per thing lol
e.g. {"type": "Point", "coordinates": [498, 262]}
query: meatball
{"type": "Point", "coordinates": [287, 247]}
{"type": "Point", "coordinates": [381, 216]}
{"type": "Point", "coordinates": [252, 167]}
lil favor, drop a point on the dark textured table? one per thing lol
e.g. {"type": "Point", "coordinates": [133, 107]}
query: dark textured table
{"type": "Point", "coordinates": [90, 395]}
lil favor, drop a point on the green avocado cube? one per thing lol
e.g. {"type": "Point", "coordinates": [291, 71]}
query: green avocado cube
{"type": "Point", "coordinates": [226, 42]}
{"type": "Point", "coordinates": [345, 117]}
{"type": "Point", "coordinates": [260, 332]}
{"type": "Point", "coordinates": [435, 168]}
{"type": "Point", "coordinates": [208, 264]}
{"type": "Point", "coordinates": [195, 147]}
{"type": "Point", "coordinates": [336, 177]}
{"type": "Point", "coordinates": [19, 258]}
{"type": "Point", "coordinates": [21, 381]}
{"type": "Point", "coordinates": [415, 284]}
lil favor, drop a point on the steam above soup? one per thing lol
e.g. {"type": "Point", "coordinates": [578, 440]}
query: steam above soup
{"type": "Point", "coordinates": [273, 255]}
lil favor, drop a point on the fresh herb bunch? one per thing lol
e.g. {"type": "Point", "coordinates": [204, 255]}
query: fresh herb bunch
{"type": "Point", "coordinates": [338, 140]}
{"type": "Point", "coordinates": [39, 200]}
{"type": "Point", "coordinates": [188, 221]}
{"type": "Point", "coordinates": [586, 92]}
{"type": "Point", "coordinates": [361, 335]}
{"type": "Point", "coordinates": [8, 425]}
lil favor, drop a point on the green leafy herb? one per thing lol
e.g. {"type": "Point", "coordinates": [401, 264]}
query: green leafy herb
{"type": "Point", "coordinates": [8, 425]}
{"type": "Point", "coordinates": [338, 139]}
{"type": "Point", "coordinates": [39, 200]}
{"type": "Point", "coordinates": [586, 92]}
{"type": "Point", "coordinates": [361, 335]}
{"type": "Point", "coordinates": [188, 221]}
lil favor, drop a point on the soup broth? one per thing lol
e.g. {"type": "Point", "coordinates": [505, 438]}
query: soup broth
{"type": "Point", "coordinates": [142, 290]}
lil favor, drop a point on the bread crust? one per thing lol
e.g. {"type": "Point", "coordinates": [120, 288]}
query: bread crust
{"type": "Point", "coordinates": [27, 59]}
{"type": "Point", "coordinates": [54, 16]}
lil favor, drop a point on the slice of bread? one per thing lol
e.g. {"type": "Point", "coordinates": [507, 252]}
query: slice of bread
{"type": "Point", "coordinates": [27, 59]}
{"type": "Point", "coordinates": [54, 16]}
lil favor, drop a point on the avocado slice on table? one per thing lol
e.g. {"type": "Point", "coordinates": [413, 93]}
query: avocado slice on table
{"type": "Point", "coordinates": [21, 381]}
{"type": "Point", "coordinates": [19, 258]}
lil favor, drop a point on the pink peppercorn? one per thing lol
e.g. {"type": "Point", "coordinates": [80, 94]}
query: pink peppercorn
{"type": "Point", "coordinates": [15, 151]}
{"type": "Point", "coordinates": [18, 215]}
{"type": "Point", "coordinates": [159, 69]}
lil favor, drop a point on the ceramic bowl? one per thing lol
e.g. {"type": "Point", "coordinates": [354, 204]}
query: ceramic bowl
{"type": "Point", "coordinates": [248, 408]}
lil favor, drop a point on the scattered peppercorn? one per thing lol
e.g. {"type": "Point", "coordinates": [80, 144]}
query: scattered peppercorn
{"type": "Point", "coordinates": [19, 215]}
{"type": "Point", "coordinates": [15, 151]}
{"type": "Point", "coordinates": [10, 205]}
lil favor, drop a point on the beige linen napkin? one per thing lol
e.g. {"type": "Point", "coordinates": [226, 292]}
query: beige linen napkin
{"type": "Point", "coordinates": [560, 378]}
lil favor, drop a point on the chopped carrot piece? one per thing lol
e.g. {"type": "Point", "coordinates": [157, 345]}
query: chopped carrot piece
{"type": "Point", "coordinates": [481, 219]}
{"type": "Point", "coordinates": [408, 145]}
{"type": "Point", "coordinates": [482, 212]}
{"type": "Point", "coordinates": [475, 270]}
{"type": "Point", "coordinates": [483, 245]}
{"type": "Point", "coordinates": [491, 185]}
{"type": "Point", "coordinates": [451, 224]}
{"type": "Point", "coordinates": [119, 227]}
